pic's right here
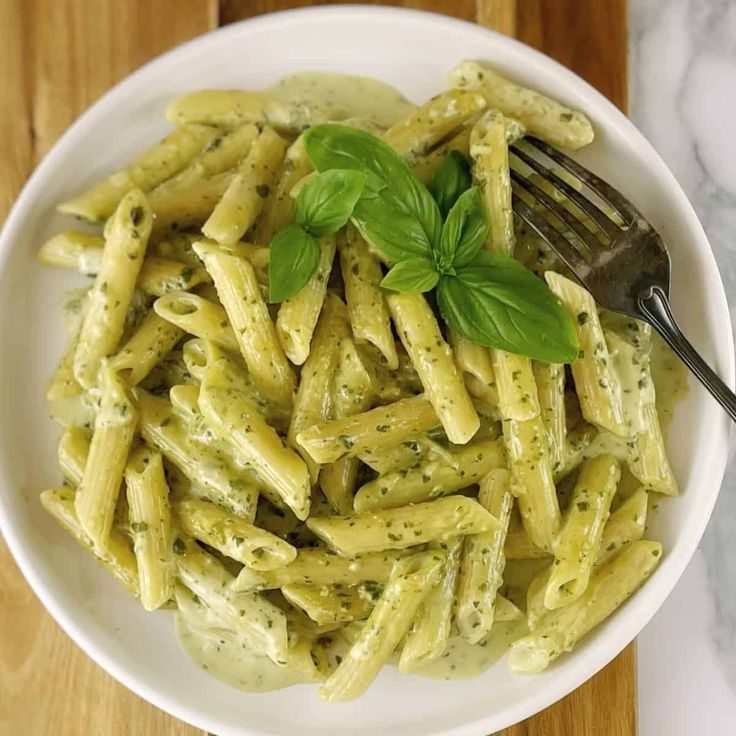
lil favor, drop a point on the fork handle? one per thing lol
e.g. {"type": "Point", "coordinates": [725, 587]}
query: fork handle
{"type": "Point", "coordinates": [655, 309]}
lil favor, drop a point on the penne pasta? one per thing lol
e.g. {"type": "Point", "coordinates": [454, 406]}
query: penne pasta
{"type": "Point", "coordinates": [430, 633]}
{"type": "Point", "coordinates": [153, 340]}
{"type": "Point", "coordinates": [159, 276]}
{"type": "Point", "coordinates": [83, 252]}
{"type": "Point", "coordinates": [577, 545]}
{"type": "Point", "coordinates": [350, 393]}
{"type": "Point", "coordinates": [320, 566]}
{"type": "Point", "coordinates": [402, 456]}
{"type": "Point", "coordinates": [103, 323]}
{"type": "Point", "coordinates": [157, 164]}
{"type": "Point", "coordinates": [212, 473]}
{"type": "Point", "coordinates": [505, 610]}
{"type": "Point", "coordinates": [432, 358]}
{"type": "Point", "coordinates": [377, 429]}
{"type": "Point", "coordinates": [410, 580]}
{"type": "Point", "coordinates": [550, 381]}
{"type": "Point", "coordinates": [330, 604]}
{"type": "Point", "coordinates": [517, 390]}
{"type": "Point", "coordinates": [597, 385]}
{"type": "Point", "coordinates": [242, 202]}
{"type": "Point", "coordinates": [150, 522]}
{"type": "Point", "coordinates": [229, 108]}
{"type": "Point", "coordinates": [367, 311]}
{"type": "Point", "coordinates": [185, 398]}
{"type": "Point", "coordinates": [197, 316]}
{"type": "Point", "coordinates": [408, 526]}
{"type": "Point", "coordinates": [624, 526]}
{"type": "Point", "coordinates": [222, 153]}
{"type": "Point", "coordinates": [432, 477]}
{"type": "Point", "coordinates": [246, 309]}
{"type": "Point", "coordinates": [112, 438]}
{"type": "Point", "coordinates": [483, 560]}
{"type": "Point", "coordinates": [75, 250]}
{"type": "Point", "coordinates": [66, 400]}
{"type": "Point", "coordinates": [425, 167]}
{"type": "Point", "coordinates": [72, 453]}
{"type": "Point", "coordinates": [489, 151]}
{"type": "Point", "coordinates": [188, 206]}
{"type": "Point", "coordinates": [474, 361]}
{"type": "Point", "coordinates": [528, 456]}
{"type": "Point", "coordinates": [312, 401]}
{"type": "Point", "coordinates": [416, 134]}
{"type": "Point", "coordinates": [230, 414]}
{"type": "Point", "coordinates": [233, 537]}
{"type": "Point", "coordinates": [261, 623]}
{"type": "Point", "coordinates": [117, 559]}
{"type": "Point", "coordinates": [518, 546]}
{"type": "Point", "coordinates": [278, 210]}
{"type": "Point", "coordinates": [540, 115]}
{"type": "Point", "coordinates": [558, 631]}
{"type": "Point", "coordinates": [647, 454]}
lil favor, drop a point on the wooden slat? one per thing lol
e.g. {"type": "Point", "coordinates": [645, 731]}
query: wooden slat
{"type": "Point", "coordinates": [56, 58]}
{"type": "Point", "coordinates": [233, 10]}
{"type": "Point", "coordinates": [500, 15]}
{"type": "Point", "coordinates": [588, 37]}
{"type": "Point", "coordinates": [603, 706]}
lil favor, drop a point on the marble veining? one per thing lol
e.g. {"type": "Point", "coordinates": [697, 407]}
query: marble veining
{"type": "Point", "coordinates": [683, 98]}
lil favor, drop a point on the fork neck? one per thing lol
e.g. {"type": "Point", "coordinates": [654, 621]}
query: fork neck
{"type": "Point", "coordinates": [655, 309]}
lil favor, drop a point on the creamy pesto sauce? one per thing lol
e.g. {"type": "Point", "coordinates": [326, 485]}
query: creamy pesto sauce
{"type": "Point", "coordinates": [222, 655]}
{"type": "Point", "coordinates": [73, 411]}
{"type": "Point", "coordinates": [670, 380]}
{"type": "Point", "coordinates": [461, 660]}
{"type": "Point", "coordinates": [343, 96]}
{"type": "Point", "coordinates": [226, 657]}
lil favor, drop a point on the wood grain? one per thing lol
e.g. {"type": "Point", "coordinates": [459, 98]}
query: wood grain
{"type": "Point", "coordinates": [233, 10]}
{"type": "Point", "coordinates": [56, 58]}
{"type": "Point", "coordinates": [604, 706]}
{"type": "Point", "coordinates": [588, 37]}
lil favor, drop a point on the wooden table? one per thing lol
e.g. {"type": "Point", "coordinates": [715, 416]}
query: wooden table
{"type": "Point", "coordinates": [56, 58]}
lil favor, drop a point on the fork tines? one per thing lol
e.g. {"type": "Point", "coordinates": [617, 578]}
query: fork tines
{"type": "Point", "coordinates": [586, 229]}
{"type": "Point", "coordinates": [572, 258]}
{"type": "Point", "coordinates": [610, 196]}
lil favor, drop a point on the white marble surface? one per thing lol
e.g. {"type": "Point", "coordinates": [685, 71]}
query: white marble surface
{"type": "Point", "coordinates": [683, 84]}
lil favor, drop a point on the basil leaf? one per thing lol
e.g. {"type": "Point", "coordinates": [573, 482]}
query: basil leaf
{"type": "Point", "coordinates": [294, 256]}
{"type": "Point", "coordinates": [450, 180]}
{"type": "Point", "coordinates": [326, 201]}
{"type": "Point", "coordinates": [390, 183]}
{"type": "Point", "coordinates": [412, 276]}
{"type": "Point", "coordinates": [464, 231]}
{"type": "Point", "coordinates": [382, 221]}
{"type": "Point", "coordinates": [497, 302]}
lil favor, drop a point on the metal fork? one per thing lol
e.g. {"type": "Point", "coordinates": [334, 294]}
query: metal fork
{"type": "Point", "coordinates": [624, 265]}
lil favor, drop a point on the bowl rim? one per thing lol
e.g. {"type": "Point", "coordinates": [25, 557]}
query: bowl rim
{"type": "Point", "coordinates": [648, 599]}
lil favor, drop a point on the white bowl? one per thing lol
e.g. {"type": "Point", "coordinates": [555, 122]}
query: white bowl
{"type": "Point", "coordinates": [413, 51]}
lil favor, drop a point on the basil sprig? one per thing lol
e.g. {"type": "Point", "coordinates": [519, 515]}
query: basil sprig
{"type": "Point", "coordinates": [489, 298]}
{"type": "Point", "coordinates": [323, 206]}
